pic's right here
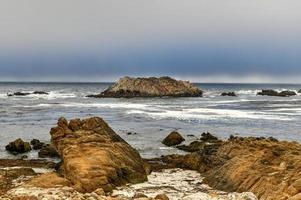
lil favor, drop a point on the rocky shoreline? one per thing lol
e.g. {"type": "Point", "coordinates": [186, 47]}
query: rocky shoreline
{"type": "Point", "coordinates": [98, 164]}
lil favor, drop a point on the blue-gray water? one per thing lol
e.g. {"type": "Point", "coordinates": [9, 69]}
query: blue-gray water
{"type": "Point", "coordinates": [152, 119]}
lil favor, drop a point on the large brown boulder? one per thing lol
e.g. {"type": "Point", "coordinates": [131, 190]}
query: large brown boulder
{"type": "Point", "coordinates": [174, 138]}
{"type": "Point", "coordinates": [150, 87]}
{"type": "Point", "coordinates": [94, 156]}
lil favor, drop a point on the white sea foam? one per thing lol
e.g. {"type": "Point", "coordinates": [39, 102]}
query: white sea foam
{"type": "Point", "coordinates": [209, 113]}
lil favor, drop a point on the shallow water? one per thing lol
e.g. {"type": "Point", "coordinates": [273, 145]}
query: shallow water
{"type": "Point", "coordinates": [152, 118]}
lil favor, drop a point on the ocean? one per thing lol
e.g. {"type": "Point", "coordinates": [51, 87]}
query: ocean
{"type": "Point", "coordinates": [150, 119]}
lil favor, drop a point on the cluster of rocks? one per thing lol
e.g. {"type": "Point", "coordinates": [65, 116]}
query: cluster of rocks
{"type": "Point", "coordinates": [285, 93]}
{"type": "Point", "coordinates": [27, 93]}
{"type": "Point", "coordinates": [265, 166]}
{"type": "Point", "coordinates": [150, 87]}
{"type": "Point", "coordinates": [19, 146]}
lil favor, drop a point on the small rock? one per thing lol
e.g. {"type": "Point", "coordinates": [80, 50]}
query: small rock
{"type": "Point", "coordinates": [162, 197]}
{"type": "Point", "coordinates": [208, 137]}
{"type": "Point", "coordinates": [139, 195]}
{"type": "Point", "coordinates": [48, 151]}
{"type": "Point", "coordinates": [174, 138]}
{"type": "Point", "coordinates": [231, 94]}
{"type": "Point", "coordinates": [40, 92]}
{"type": "Point", "coordinates": [18, 146]}
{"type": "Point", "coordinates": [36, 144]}
{"type": "Point", "coordinates": [100, 192]}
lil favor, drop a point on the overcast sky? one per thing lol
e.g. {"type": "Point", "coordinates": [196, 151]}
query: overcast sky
{"type": "Point", "coordinates": [199, 40]}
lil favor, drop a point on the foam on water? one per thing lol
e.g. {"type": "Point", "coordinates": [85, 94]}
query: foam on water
{"type": "Point", "coordinates": [206, 113]}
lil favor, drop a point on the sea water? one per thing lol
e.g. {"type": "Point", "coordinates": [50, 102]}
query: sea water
{"type": "Point", "coordinates": [150, 119]}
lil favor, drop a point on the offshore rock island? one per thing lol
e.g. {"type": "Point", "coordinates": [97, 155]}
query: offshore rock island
{"type": "Point", "coordinates": [150, 87]}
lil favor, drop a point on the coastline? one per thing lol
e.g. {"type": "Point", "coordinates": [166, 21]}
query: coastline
{"type": "Point", "coordinates": [232, 165]}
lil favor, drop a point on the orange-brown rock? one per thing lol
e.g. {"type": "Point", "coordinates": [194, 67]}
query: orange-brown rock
{"type": "Point", "coordinates": [150, 87]}
{"type": "Point", "coordinates": [94, 156]}
{"type": "Point", "coordinates": [48, 180]}
{"type": "Point", "coordinates": [266, 167]}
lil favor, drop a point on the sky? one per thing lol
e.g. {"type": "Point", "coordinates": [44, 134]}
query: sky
{"type": "Point", "coordinates": [197, 40]}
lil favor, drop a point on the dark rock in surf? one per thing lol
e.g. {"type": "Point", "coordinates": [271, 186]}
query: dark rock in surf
{"type": "Point", "coordinates": [231, 94]}
{"type": "Point", "coordinates": [19, 94]}
{"type": "Point", "coordinates": [27, 93]}
{"type": "Point", "coordinates": [150, 87]}
{"type": "Point", "coordinates": [36, 144]}
{"type": "Point", "coordinates": [208, 137]}
{"type": "Point", "coordinates": [286, 93]}
{"type": "Point", "coordinates": [18, 146]}
{"type": "Point", "coordinates": [40, 92]}
{"type": "Point", "coordinates": [174, 138]}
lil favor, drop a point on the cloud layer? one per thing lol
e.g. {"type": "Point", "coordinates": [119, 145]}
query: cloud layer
{"type": "Point", "coordinates": [100, 40]}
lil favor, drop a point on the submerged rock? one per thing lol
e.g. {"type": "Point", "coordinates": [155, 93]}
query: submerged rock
{"type": "Point", "coordinates": [232, 94]}
{"type": "Point", "coordinates": [40, 92]}
{"type": "Point", "coordinates": [174, 138]}
{"type": "Point", "coordinates": [94, 156]}
{"type": "Point", "coordinates": [18, 146]}
{"type": "Point", "coordinates": [275, 93]}
{"type": "Point", "coordinates": [19, 94]}
{"type": "Point", "coordinates": [150, 87]}
{"type": "Point", "coordinates": [27, 93]}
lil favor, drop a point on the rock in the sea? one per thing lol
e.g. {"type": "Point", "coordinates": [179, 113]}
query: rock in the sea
{"type": "Point", "coordinates": [94, 156]}
{"type": "Point", "coordinates": [40, 92]}
{"type": "Point", "coordinates": [208, 137]}
{"type": "Point", "coordinates": [18, 146]}
{"type": "Point", "coordinates": [150, 87]}
{"type": "Point", "coordinates": [36, 144]}
{"type": "Point", "coordinates": [275, 93]}
{"type": "Point", "coordinates": [174, 138]}
{"type": "Point", "coordinates": [231, 94]}
{"type": "Point", "coordinates": [48, 151]}
{"type": "Point", "coordinates": [19, 94]}
{"type": "Point", "coordinates": [27, 93]}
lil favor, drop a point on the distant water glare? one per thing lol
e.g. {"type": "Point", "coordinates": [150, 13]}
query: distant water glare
{"type": "Point", "coordinates": [150, 119]}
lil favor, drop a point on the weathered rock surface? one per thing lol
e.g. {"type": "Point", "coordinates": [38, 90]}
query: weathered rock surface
{"type": "Point", "coordinates": [231, 94]}
{"type": "Point", "coordinates": [275, 93]}
{"type": "Point", "coordinates": [94, 156]}
{"type": "Point", "coordinates": [150, 87]}
{"type": "Point", "coordinates": [174, 138]}
{"type": "Point", "coordinates": [268, 168]}
{"type": "Point", "coordinates": [18, 146]}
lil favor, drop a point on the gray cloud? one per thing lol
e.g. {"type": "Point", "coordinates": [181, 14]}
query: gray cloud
{"type": "Point", "coordinates": [100, 40]}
